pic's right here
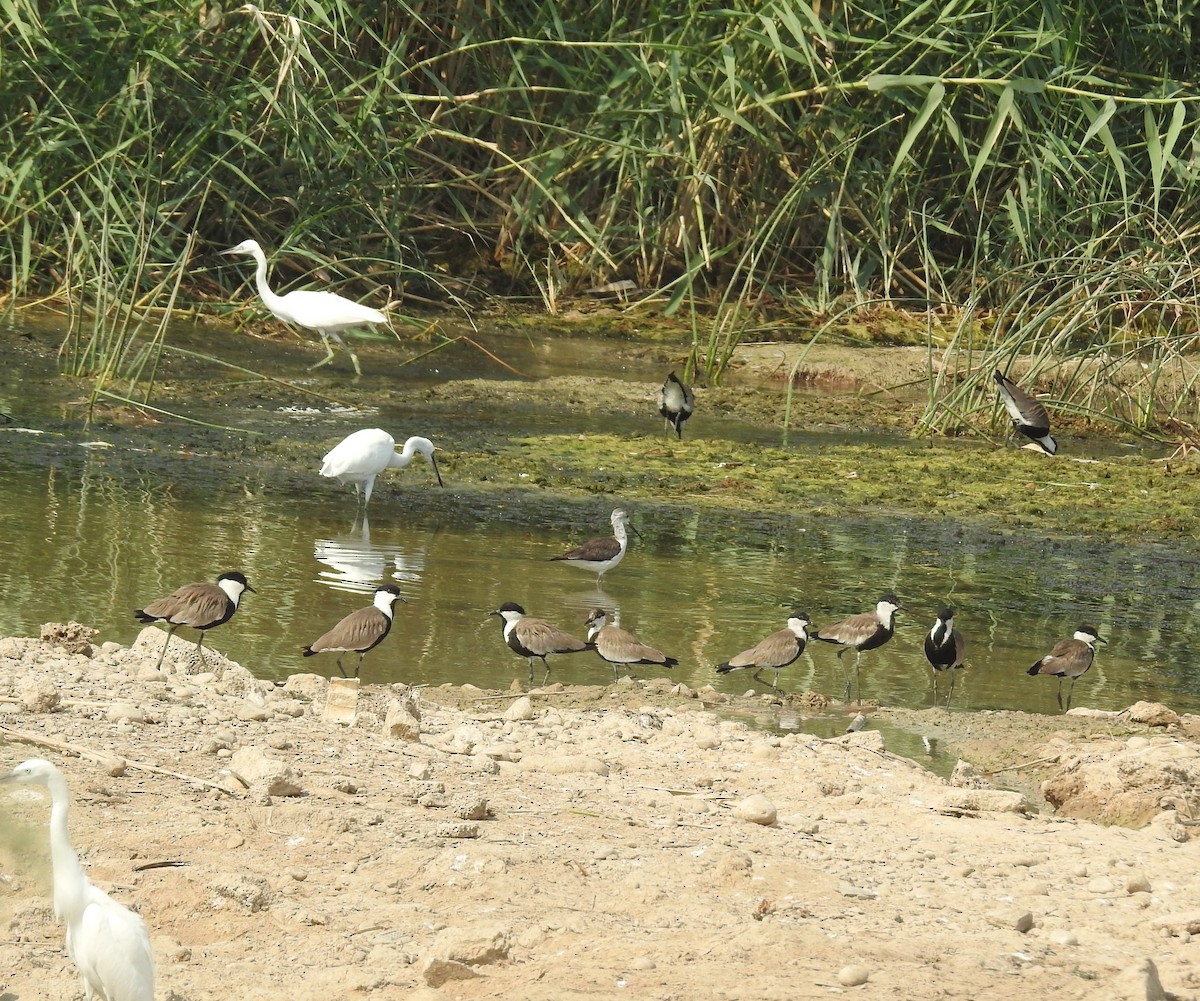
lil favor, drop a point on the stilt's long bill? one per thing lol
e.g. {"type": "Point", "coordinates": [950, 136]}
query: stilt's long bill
{"type": "Point", "coordinates": [532, 638]}
{"type": "Point", "coordinates": [1028, 416]}
{"type": "Point", "coordinates": [676, 402]}
{"type": "Point", "coordinates": [619, 647]}
{"type": "Point", "coordinates": [198, 606]}
{"type": "Point", "coordinates": [601, 555]}
{"type": "Point", "coordinates": [774, 652]}
{"type": "Point", "coordinates": [360, 631]}
{"type": "Point", "coordinates": [360, 457]}
{"type": "Point", "coordinates": [944, 649]}
{"type": "Point", "coordinates": [1069, 659]}
{"type": "Point", "coordinates": [862, 632]}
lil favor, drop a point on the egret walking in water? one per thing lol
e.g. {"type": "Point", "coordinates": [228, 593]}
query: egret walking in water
{"type": "Point", "coordinates": [200, 606]}
{"type": "Point", "coordinates": [360, 457]}
{"type": "Point", "coordinates": [324, 312]}
{"type": "Point", "coordinates": [107, 942]}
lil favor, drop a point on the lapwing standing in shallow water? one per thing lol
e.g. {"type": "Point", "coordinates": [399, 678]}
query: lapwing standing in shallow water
{"type": "Point", "coordinates": [360, 457]}
{"type": "Point", "coordinates": [534, 637]}
{"type": "Point", "coordinates": [862, 632]}
{"type": "Point", "coordinates": [601, 555]}
{"type": "Point", "coordinates": [944, 648]}
{"type": "Point", "coordinates": [676, 402]}
{"type": "Point", "coordinates": [1028, 415]}
{"type": "Point", "coordinates": [1069, 659]}
{"type": "Point", "coordinates": [774, 652]}
{"type": "Point", "coordinates": [360, 631]}
{"type": "Point", "coordinates": [199, 606]}
{"type": "Point", "coordinates": [619, 647]}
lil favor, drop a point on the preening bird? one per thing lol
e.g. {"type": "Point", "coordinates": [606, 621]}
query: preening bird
{"type": "Point", "coordinates": [944, 648]}
{"type": "Point", "coordinates": [200, 606]}
{"type": "Point", "coordinates": [534, 637]}
{"type": "Point", "coordinates": [360, 457]}
{"type": "Point", "coordinates": [325, 312]}
{"type": "Point", "coordinates": [601, 555]}
{"type": "Point", "coordinates": [619, 647]}
{"type": "Point", "coordinates": [775, 651]}
{"type": "Point", "coordinates": [107, 942]}
{"type": "Point", "coordinates": [360, 631]}
{"type": "Point", "coordinates": [676, 401]}
{"type": "Point", "coordinates": [862, 632]}
{"type": "Point", "coordinates": [1069, 659]}
{"type": "Point", "coordinates": [1028, 415]}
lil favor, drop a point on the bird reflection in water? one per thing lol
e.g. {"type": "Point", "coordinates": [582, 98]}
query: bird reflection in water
{"type": "Point", "coordinates": [352, 562]}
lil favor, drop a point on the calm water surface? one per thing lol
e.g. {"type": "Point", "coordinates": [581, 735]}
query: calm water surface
{"type": "Point", "coordinates": [92, 533]}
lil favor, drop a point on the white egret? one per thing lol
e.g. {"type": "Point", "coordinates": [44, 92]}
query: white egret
{"type": "Point", "coordinates": [360, 457]}
{"type": "Point", "coordinates": [107, 942]}
{"type": "Point", "coordinates": [324, 312]}
{"type": "Point", "coordinates": [201, 606]}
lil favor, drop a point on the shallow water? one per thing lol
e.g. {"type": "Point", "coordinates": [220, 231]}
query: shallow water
{"type": "Point", "coordinates": [94, 532]}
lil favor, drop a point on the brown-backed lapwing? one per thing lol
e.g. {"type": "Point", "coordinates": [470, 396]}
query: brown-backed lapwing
{"type": "Point", "coordinates": [601, 555]}
{"type": "Point", "coordinates": [676, 401]}
{"type": "Point", "coordinates": [199, 606]}
{"type": "Point", "coordinates": [944, 647]}
{"type": "Point", "coordinates": [619, 647]}
{"type": "Point", "coordinates": [360, 457]}
{"type": "Point", "coordinates": [1069, 659]}
{"type": "Point", "coordinates": [862, 632]}
{"type": "Point", "coordinates": [774, 652]}
{"type": "Point", "coordinates": [534, 637]}
{"type": "Point", "coordinates": [361, 630]}
{"type": "Point", "coordinates": [1028, 415]}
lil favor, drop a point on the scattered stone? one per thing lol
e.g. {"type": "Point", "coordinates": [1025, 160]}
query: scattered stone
{"type": "Point", "coordinates": [456, 830]}
{"type": "Point", "coordinates": [1015, 918]}
{"type": "Point", "coordinates": [437, 972]}
{"type": "Point", "coordinates": [306, 686]}
{"type": "Point", "coordinates": [250, 712]}
{"type": "Point", "coordinates": [854, 975]}
{"type": "Point", "coordinates": [1153, 714]}
{"type": "Point", "coordinates": [1137, 882]}
{"type": "Point", "coordinates": [469, 806]}
{"type": "Point", "coordinates": [252, 892]}
{"type": "Point", "coordinates": [403, 720]}
{"type": "Point", "coordinates": [1063, 937]}
{"type": "Point", "coordinates": [120, 711]}
{"type": "Point", "coordinates": [38, 695]}
{"type": "Point", "coordinates": [985, 800]}
{"type": "Point", "coordinates": [341, 700]}
{"type": "Point", "coordinates": [966, 776]}
{"type": "Point", "coordinates": [757, 809]}
{"type": "Point", "coordinates": [521, 709]}
{"type": "Point", "coordinates": [1138, 983]}
{"type": "Point", "coordinates": [71, 636]}
{"type": "Point", "coordinates": [420, 770]}
{"type": "Point", "coordinates": [563, 764]}
{"type": "Point", "coordinates": [264, 775]}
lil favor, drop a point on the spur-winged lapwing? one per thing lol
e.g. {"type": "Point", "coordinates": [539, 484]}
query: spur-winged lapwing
{"type": "Point", "coordinates": [360, 457]}
{"type": "Point", "coordinates": [862, 632]}
{"type": "Point", "coordinates": [676, 401]}
{"type": "Point", "coordinates": [774, 652]}
{"type": "Point", "coordinates": [619, 647]}
{"type": "Point", "coordinates": [944, 648]}
{"type": "Point", "coordinates": [199, 606]}
{"type": "Point", "coordinates": [361, 630]}
{"type": "Point", "coordinates": [1069, 659]}
{"type": "Point", "coordinates": [534, 637]}
{"type": "Point", "coordinates": [1028, 415]}
{"type": "Point", "coordinates": [601, 555]}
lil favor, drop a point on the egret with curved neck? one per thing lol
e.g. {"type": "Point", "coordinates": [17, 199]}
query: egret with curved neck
{"type": "Point", "coordinates": [107, 942]}
{"type": "Point", "coordinates": [324, 312]}
{"type": "Point", "coordinates": [360, 457]}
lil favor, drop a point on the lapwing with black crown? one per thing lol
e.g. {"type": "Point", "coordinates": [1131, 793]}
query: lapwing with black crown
{"type": "Point", "coordinates": [774, 652]}
{"type": "Point", "coordinates": [529, 637]}
{"type": "Point", "coordinates": [619, 647]}
{"type": "Point", "coordinates": [360, 631]}
{"type": "Point", "coordinates": [197, 606]}
{"type": "Point", "coordinates": [1069, 659]}
{"type": "Point", "coordinates": [944, 649]}
{"type": "Point", "coordinates": [1028, 415]}
{"type": "Point", "coordinates": [866, 631]}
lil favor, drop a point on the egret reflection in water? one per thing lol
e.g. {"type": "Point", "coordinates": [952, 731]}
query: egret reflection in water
{"type": "Point", "coordinates": [354, 563]}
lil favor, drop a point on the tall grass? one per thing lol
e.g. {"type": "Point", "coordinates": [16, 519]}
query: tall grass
{"type": "Point", "coordinates": [751, 162]}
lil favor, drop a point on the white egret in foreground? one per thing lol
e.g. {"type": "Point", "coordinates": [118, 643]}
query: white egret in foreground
{"type": "Point", "coordinates": [324, 312]}
{"type": "Point", "coordinates": [107, 942]}
{"type": "Point", "coordinates": [360, 457]}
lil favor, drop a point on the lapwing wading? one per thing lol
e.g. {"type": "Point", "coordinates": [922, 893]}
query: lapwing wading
{"type": "Point", "coordinates": [774, 652]}
{"type": "Point", "coordinates": [532, 638]}
{"type": "Point", "coordinates": [944, 649]}
{"type": "Point", "coordinates": [676, 402]}
{"type": "Point", "coordinates": [860, 633]}
{"type": "Point", "coordinates": [198, 606]}
{"type": "Point", "coordinates": [1027, 414]}
{"type": "Point", "coordinates": [1069, 659]}
{"type": "Point", "coordinates": [619, 647]}
{"type": "Point", "coordinates": [360, 631]}
{"type": "Point", "coordinates": [601, 555]}
{"type": "Point", "coordinates": [360, 457]}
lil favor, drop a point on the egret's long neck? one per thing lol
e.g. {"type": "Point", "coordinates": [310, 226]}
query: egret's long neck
{"type": "Point", "coordinates": [69, 879]}
{"type": "Point", "coordinates": [260, 281]}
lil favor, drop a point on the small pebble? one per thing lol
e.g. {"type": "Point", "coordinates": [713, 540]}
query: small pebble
{"type": "Point", "coordinates": [853, 975]}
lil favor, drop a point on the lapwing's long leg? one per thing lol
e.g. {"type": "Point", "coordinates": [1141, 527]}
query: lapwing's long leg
{"type": "Point", "coordinates": [546, 664]}
{"type": "Point", "coordinates": [858, 672]}
{"type": "Point", "coordinates": [1060, 705]}
{"type": "Point", "coordinates": [341, 670]}
{"type": "Point", "coordinates": [358, 666]}
{"type": "Point", "coordinates": [163, 653]}
{"type": "Point", "coordinates": [950, 694]}
{"type": "Point", "coordinates": [199, 651]}
{"type": "Point", "coordinates": [845, 673]}
{"type": "Point", "coordinates": [1070, 692]}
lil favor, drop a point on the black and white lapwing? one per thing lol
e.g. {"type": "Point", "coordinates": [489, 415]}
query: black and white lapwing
{"type": "Point", "coordinates": [360, 457]}
{"type": "Point", "coordinates": [619, 647]}
{"type": "Point", "coordinates": [1028, 415]}
{"type": "Point", "coordinates": [535, 637]}
{"type": "Point", "coordinates": [1069, 659]}
{"type": "Point", "coordinates": [774, 652]}
{"type": "Point", "coordinates": [944, 648]}
{"type": "Point", "coordinates": [360, 631]}
{"type": "Point", "coordinates": [676, 402]}
{"type": "Point", "coordinates": [601, 555]}
{"type": "Point", "coordinates": [862, 632]}
{"type": "Point", "coordinates": [198, 606]}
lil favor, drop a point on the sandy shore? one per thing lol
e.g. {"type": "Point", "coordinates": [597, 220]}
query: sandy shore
{"type": "Point", "coordinates": [620, 841]}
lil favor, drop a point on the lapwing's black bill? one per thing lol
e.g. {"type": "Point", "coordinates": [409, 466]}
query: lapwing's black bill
{"type": "Point", "coordinates": [360, 631]}
{"type": "Point", "coordinates": [1027, 414]}
{"type": "Point", "coordinates": [1069, 659]}
{"type": "Point", "coordinates": [860, 633]}
{"type": "Point", "coordinates": [601, 555]}
{"type": "Point", "coordinates": [676, 402]}
{"type": "Point", "coordinates": [198, 606]}
{"type": "Point", "coordinates": [944, 649]}
{"type": "Point", "coordinates": [621, 648]}
{"type": "Point", "coordinates": [532, 638]}
{"type": "Point", "coordinates": [774, 652]}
